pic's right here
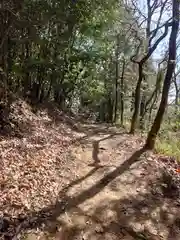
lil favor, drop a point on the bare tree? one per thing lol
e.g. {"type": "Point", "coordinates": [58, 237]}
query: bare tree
{"type": "Point", "coordinates": [152, 40]}
{"type": "Point", "coordinates": [167, 81]}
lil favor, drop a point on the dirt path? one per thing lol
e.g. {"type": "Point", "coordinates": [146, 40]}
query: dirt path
{"type": "Point", "coordinates": [117, 193]}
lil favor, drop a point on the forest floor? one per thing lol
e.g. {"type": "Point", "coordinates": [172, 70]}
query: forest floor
{"type": "Point", "coordinates": [65, 179]}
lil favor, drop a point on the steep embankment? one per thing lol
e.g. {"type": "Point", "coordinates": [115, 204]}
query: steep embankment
{"type": "Point", "coordinates": [33, 150]}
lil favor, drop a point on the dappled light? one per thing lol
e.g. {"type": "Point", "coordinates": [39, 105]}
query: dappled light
{"type": "Point", "coordinates": [89, 120]}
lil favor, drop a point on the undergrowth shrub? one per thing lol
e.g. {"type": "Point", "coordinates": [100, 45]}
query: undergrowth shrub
{"type": "Point", "coordinates": [168, 146]}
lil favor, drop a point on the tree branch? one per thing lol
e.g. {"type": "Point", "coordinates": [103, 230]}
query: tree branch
{"type": "Point", "coordinates": [153, 48]}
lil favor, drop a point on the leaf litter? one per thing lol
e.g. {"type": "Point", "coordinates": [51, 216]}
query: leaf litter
{"type": "Point", "coordinates": [38, 164]}
{"type": "Point", "coordinates": [32, 167]}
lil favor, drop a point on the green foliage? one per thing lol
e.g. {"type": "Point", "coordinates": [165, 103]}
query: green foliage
{"type": "Point", "coordinates": [168, 142]}
{"type": "Point", "coordinates": [169, 147]}
{"type": "Point", "coordinates": [73, 53]}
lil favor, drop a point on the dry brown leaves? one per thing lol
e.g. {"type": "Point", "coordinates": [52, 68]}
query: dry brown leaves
{"type": "Point", "coordinates": [32, 167]}
{"type": "Point", "coordinates": [35, 167]}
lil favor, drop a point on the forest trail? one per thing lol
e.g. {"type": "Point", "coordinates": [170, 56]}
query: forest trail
{"type": "Point", "coordinates": [117, 192]}
{"type": "Point", "coordinates": [66, 179]}
{"type": "Point", "coordinates": [64, 66]}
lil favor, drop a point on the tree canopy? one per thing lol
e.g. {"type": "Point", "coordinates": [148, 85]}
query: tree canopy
{"type": "Point", "coordinates": [99, 58]}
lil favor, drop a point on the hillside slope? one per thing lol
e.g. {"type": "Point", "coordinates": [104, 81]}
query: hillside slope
{"type": "Point", "coordinates": [64, 179]}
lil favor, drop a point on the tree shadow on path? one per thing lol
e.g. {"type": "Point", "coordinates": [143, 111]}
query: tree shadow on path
{"type": "Point", "coordinates": [35, 219]}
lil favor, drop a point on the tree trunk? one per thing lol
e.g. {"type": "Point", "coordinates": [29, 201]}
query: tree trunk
{"type": "Point", "coordinates": [116, 94]}
{"type": "Point", "coordinates": [177, 92]}
{"type": "Point", "coordinates": [142, 112]}
{"type": "Point", "coordinates": [9, 64]}
{"type": "Point", "coordinates": [154, 95]}
{"type": "Point", "coordinates": [122, 93]}
{"type": "Point", "coordinates": [50, 87]}
{"type": "Point", "coordinates": [116, 80]}
{"type": "Point", "coordinates": [27, 79]}
{"type": "Point", "coordinates": [152, 106]}
{"type": "Point", "coordinates": [109, 117]}
{"type": "Point", "coordinates": [150, 36]}
{"type": "Point", "coordinates": [167, 81]}
{"type": "Point", "coordinates": [137, 100]}
{"type": "Point", "coordinates": [132, 101]}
